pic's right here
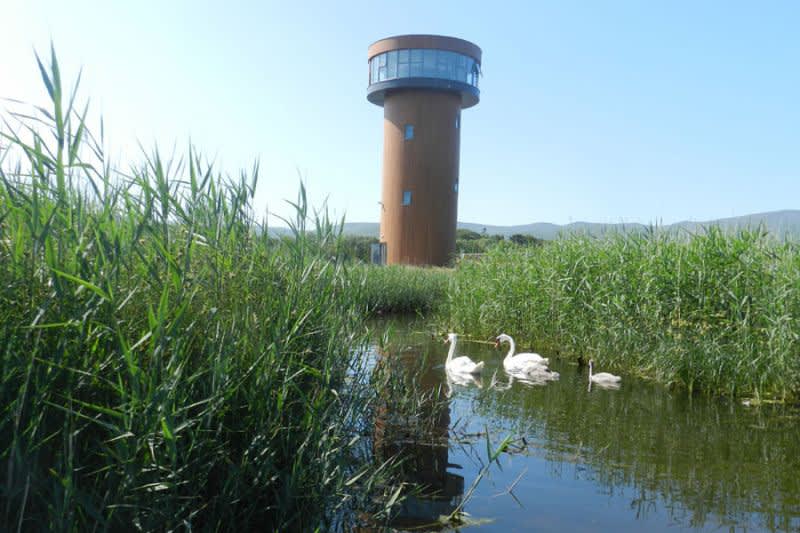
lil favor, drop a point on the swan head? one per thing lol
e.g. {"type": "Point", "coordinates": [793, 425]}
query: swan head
{"type": "Point", "coordinates": [501, 338]}
{"type": "Point", "coordinates": [591, 363]}
{"type": "Point", "coordinates": [451, 337]}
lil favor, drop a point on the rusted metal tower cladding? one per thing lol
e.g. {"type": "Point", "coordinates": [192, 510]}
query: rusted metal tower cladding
{"type": "Point", "coordinates": [423, 82]}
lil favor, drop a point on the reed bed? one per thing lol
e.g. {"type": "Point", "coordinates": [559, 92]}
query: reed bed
{"type": "Point", "coordinates": [163, 363]}
{"type": "Point", "coordinates": [714, 311]}
{"type": "Point", "coordinates": [400, 289]}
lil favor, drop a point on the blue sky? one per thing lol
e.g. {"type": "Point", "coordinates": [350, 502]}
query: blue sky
{"type": "Point", "coordinates": [606, 112]}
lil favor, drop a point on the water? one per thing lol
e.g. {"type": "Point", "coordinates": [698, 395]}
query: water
{"type": "Point", "coordinates": [641, 457]}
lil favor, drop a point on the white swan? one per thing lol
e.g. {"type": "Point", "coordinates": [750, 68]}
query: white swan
{"type": "Point", "coordinates": [462, 364]}
{"type": "Point", "coordinates": [521, 362]}
{"type": "Point", "coordinates": [604, 379]}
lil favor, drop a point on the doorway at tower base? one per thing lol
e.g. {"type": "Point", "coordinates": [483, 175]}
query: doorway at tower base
{"type": "Point", "coordinates": [377, 253]}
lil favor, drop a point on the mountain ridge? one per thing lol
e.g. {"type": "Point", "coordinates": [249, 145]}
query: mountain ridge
{"type": "Point", "coordinates": [784, 223]}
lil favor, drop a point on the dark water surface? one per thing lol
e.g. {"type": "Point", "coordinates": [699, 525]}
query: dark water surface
{"type": "Point", "coordinates": [641, 458]}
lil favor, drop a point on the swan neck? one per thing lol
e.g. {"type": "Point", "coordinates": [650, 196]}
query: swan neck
{"type": "Point", "coordinates": [590, 371]}
{"type": "Point", "coordinates": [511, 349]}
{"type": "Point", "coordinates": [452, 350]}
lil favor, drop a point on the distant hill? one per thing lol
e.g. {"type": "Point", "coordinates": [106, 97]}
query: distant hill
{"type": "Point", "coordinates": [783, 224]}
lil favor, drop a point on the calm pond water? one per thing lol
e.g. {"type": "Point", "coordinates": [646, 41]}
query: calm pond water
{"type": "Point", "coordinates": [638, 458]}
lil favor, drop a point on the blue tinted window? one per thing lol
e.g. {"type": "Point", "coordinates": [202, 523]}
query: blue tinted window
{"type": "Point", "coordinates": [409, 132]}
{"type": "Point", "coordinates": [391, 71]}
{"type": "Point", "coordinates": [424, 63]}
{"type": "Point", "coordinates": [406, 197]}
{"type": "Point", "coordinates": [429, 63]}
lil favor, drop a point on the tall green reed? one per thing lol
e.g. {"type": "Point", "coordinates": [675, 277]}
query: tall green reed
{"type": "Point", "coordinates": [163, 363]}
{"type": "Point", "coordinates": [399, 288]}
{"type": "Point", "coordinates": [713, 311]}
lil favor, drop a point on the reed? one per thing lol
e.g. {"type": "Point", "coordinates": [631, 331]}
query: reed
{"type": "Point", "coordinates": [163, 363]}
{"type": "Point", "coordinates": [399, 289]}
{"type": "Point", "coordinates": [714, 311]}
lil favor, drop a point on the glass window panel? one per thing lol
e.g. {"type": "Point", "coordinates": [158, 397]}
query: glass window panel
{"type": "Point", "coordinates": [406, 197]}
{"type": "Point", "coordinates": [429, 63]}
{"type": "Point", "coordinates": [455, 187]}
{"type": "Point", "coordinates": [391, 70]}
{"type": "Point", "coordinates": [474, 74]}
{"type": "Point", "coordinates": [453, 64]}
{"type": "Point", "coordinates": [442, 64]}
{"type": "Point", "coordinates": [409, 132]}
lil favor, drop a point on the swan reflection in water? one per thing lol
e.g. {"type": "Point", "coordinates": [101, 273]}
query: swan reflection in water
{"type": "Point", "coordinates": [453, 379]}
{"type": "Point", "coordinates": [535, 379]}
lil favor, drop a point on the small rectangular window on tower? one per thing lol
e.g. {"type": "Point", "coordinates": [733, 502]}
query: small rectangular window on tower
{"type": "Point", "coordinates": [409, 132]}
{"type": "Point", "coordinates": [406, 198]}
{"type": "Point", "coordinates": [458, 121]}
{"type": "Point", "coordinates": [455, 187]}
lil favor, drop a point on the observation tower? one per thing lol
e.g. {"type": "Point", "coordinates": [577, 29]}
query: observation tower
{"type": "Point", "coordinates": [422, 82]}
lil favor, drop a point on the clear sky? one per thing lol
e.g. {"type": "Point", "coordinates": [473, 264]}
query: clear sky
{"type": "Point", "coordinates": [635, 111]}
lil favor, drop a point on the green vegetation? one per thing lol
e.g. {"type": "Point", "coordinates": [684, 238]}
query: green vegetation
{"type": "Point", "coordinates": [472, 242]}
{"type": "Point", "coordinates": [399, 289]}
{"type": "Point", "coordinates": [525, 240]}
{"type": "Point", "coordinates": [356, 247]}
{"type": "Point", "coordinates": [163, 363]}
{"type": "Point", "coordinates": [718, 312]}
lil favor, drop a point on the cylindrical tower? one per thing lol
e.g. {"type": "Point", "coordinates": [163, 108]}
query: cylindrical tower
{"type": "Point", "coordinates": [423, 82]}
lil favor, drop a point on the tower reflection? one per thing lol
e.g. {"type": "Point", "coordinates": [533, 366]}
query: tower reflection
{"type": "Point", "coordinates": [420, 439]}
